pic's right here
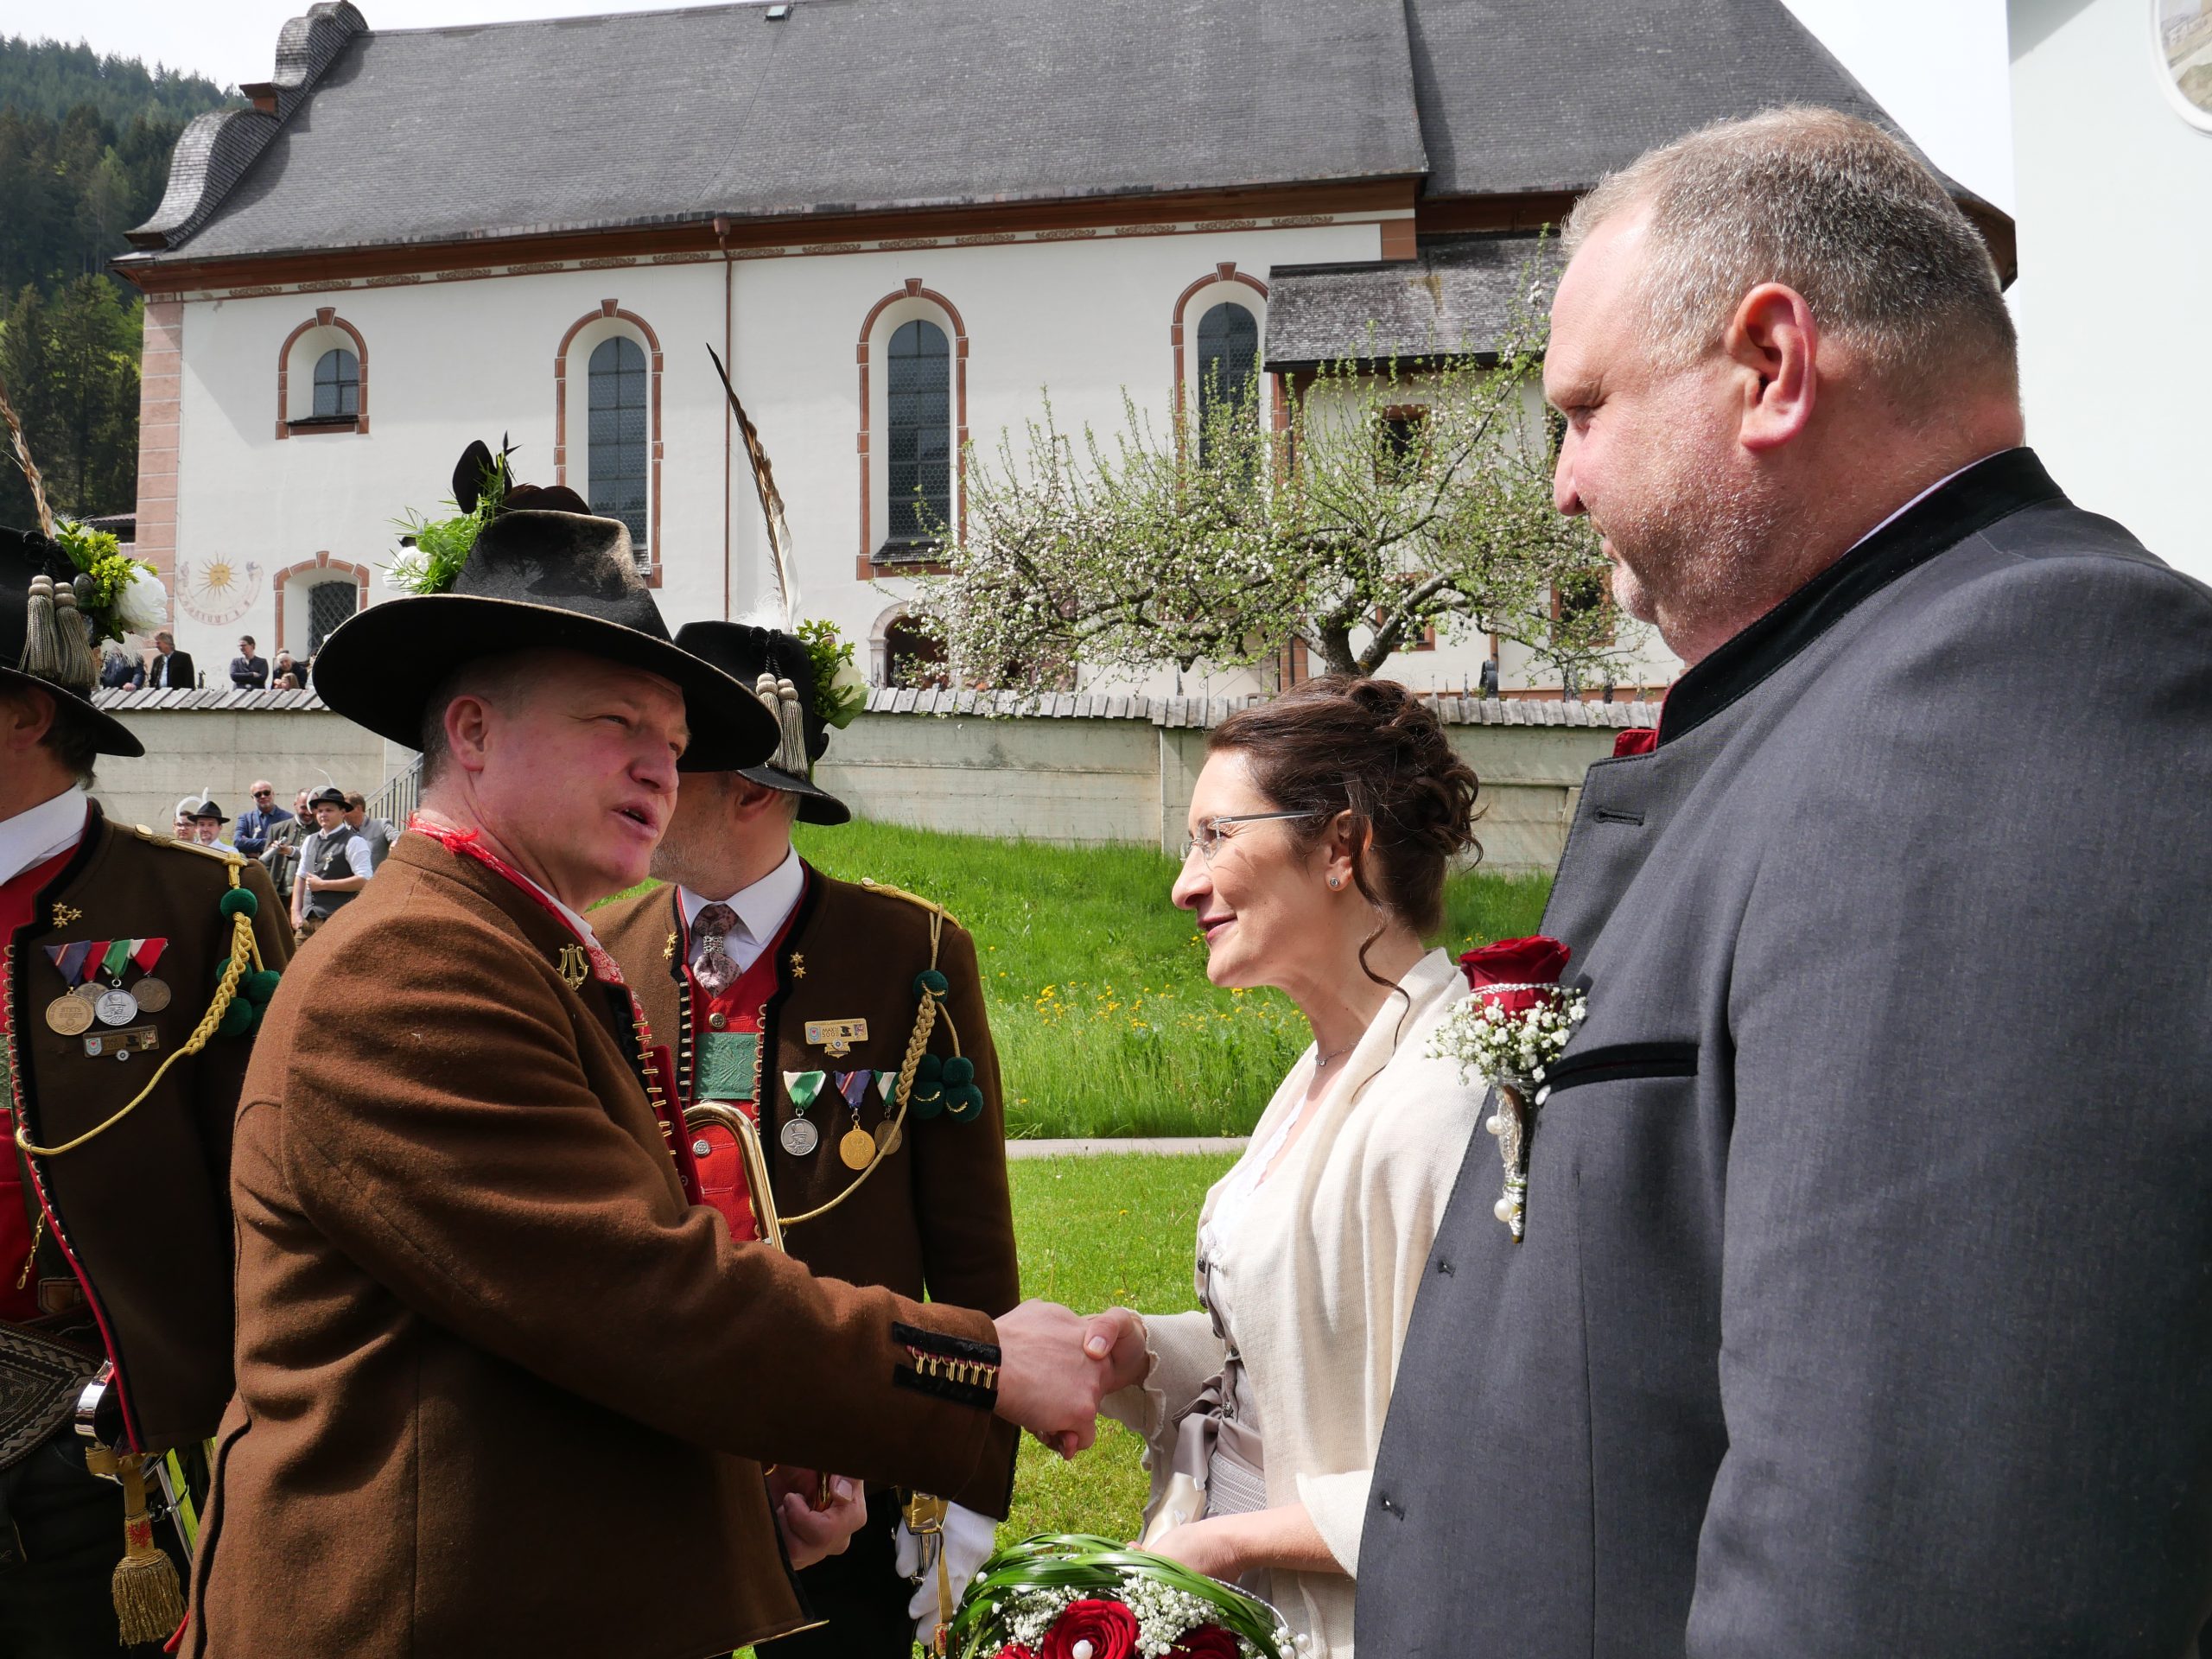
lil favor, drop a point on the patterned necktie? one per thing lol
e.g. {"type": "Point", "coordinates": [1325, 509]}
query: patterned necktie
{"type": "Point", "coordinates": [709, 960]}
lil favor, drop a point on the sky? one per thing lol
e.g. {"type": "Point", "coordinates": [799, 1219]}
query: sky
{"type": "Point", "coordinates": [1938, 66]}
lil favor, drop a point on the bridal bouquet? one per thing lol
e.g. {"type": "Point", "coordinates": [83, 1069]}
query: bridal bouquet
{"type": "Point", "coordinates": [1066, 1596]}
{"type": "Point", "coordinates": [1517, 1023]}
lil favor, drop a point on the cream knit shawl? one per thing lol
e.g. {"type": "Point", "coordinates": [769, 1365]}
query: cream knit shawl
{"type": "Point", "coordinates": [1320, 1278]}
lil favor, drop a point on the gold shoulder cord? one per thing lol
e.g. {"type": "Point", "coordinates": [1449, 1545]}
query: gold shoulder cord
{"type": "Point", "coordinates": [244, 947]}
{"type": "Point", "coordinates": [932, 1010]}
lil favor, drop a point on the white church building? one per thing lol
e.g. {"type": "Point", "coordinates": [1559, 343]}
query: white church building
{"type": "Point", "coordinates": [901, 222]}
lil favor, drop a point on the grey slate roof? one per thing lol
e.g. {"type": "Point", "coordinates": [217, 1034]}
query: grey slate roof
{"type": "Point", "coordinates": [1546, 95]}
{"type": "Point", "coordinates": [444, 134]}
{"type": "Point", "coordinates": [1456, 294]}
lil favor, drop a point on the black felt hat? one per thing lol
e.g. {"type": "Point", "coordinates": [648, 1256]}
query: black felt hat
{"type": "Point", "coordinates": [747, 653]}
{"type": "Point", "coordinates": [24, 558]}
{"type": "Point", "coordinates": [332, 795]}
{"type": "Point", "coordinates": [207, 808]}
{"type": "Point", "coordinates": [537, 579]}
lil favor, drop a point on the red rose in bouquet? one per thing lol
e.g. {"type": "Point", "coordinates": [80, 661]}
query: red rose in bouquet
{"type": "Point", "coordinates": [1107, 1628]}
{"type": "Point", "coordinates": [1206, 1642]}
{"type": "Point", "coordinates": [1536, 961]}
{"type": "Point", "coordinates": [1013, 1650]}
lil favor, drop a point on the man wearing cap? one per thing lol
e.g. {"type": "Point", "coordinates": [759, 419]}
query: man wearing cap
{"type": "Point", "coordinates": [506, 1386]}
{"type": "Point", "coordinates": [114, 1133]}
{"type": "Point", "coordinates": [794, 997]}
{"type": "Point", "coordinates": [334, 865]}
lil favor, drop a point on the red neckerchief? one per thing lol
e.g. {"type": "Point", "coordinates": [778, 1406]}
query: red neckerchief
{"type": "Point", "coordinates": [653, 1060]}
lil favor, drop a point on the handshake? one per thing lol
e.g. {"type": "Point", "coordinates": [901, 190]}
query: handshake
{"type": "Point", "coordinates": [1055, 1366]}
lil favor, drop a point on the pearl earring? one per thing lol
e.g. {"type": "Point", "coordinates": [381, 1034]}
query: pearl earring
{"type": "Point", "coordinates": [1335, 882]}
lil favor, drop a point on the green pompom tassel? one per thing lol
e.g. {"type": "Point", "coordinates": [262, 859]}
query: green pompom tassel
{"type": "Point", "coordinates": [964, 1104]}
{"type": "Point", "coordinates": [237, 1018]}
{"type": "Point", "coordinates": [928, 1069]}
{"type": "Point", "coordinates": [959, 1072]}
{"type": "Point", "coordinates": [239, 901]}
{"type": "Point", "coordinates": [930, 982]}
{"type": "Point", "coordinates": [259, 987]}
{"type": "Point", "coordinates": [925, 1107]}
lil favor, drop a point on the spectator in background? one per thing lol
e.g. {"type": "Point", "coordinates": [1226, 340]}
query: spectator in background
{"type": "Point", "coordinates": [375, 831]}
{"type": "Point", "coordinates": [208, 822]}
{"type": "Point", "coordinates": [286, 682]}
{"type": "Point", "coordinates": [182, 827]}
{"type": "Point", "coordinates": [248, 671]}
{"type": "Point", "coordinates": [282, 667]}
{"type": "Point", "coordinates": [258, 820]}
{"type": "Point", "coordinates": [334, 865]}
{"type": "Point", "coordinates": [119, 670]}
{"type": "Point", "coordinates": [171, 668]}
{"type": "Point", "coordinates": [280, 853]}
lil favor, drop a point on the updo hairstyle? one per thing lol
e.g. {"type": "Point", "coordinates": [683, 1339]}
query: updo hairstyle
{"type": "Point", "coordinates": [1341, 743]}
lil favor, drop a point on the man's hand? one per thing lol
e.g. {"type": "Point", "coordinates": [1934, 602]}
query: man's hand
{"type": "Point", "coordinates": [1053, 1373]}
{"type": "Point", "coordinates": [811, 1535]}
{"type": "Point", "coordinates": [1127, 1355]}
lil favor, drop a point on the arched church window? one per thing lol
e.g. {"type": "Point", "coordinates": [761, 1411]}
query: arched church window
{"type": "Point", "coordinates": [337, 385]}
{"type": "Point", "coordinates": [1228, 362]}
{"type": "Point", "coordinates": [618, 437]}
{"type": "Point", "coordinates": [329, 604]}
{"type": "Point", "coordinates": [920, 432]}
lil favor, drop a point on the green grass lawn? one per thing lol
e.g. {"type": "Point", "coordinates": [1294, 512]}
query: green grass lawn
{"type": "Point", "coordinates": [1100, 1007]}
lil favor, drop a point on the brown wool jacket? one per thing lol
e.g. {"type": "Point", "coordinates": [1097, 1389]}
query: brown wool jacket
{"type": "Point", "coordinates": [934, 1217]}
{"type": "Point", "coordinates": [501, 1390]}
{"type": "Point", "coordinates": [144, 1210]}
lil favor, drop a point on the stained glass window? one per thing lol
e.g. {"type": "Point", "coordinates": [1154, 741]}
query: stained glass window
{"type": "Point", "coordinates": [919, 390]}
{"type": "Point", "coordinates": [619, 437]}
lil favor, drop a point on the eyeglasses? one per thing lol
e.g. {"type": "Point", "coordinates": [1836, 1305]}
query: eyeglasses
{"type": "Point", "coordinates": [1206, 839]}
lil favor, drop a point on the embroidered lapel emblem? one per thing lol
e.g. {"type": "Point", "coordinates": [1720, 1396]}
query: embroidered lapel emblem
{"type": "Point", "coordinates": [836, 1037]}
{"type": "Point", "coordinates": [65, 914]}
{"type": "Point", "coordinates": [574, 966]}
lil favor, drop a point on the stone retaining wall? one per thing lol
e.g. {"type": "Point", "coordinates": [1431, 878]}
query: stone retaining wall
{"type": "Point", "coordinates": [1067, 769]}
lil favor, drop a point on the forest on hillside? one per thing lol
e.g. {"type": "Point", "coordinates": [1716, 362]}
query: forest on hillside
{"type": "Point", "coordinates": [84, 143]}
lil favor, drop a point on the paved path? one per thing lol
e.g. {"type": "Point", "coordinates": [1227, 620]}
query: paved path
{"type": "Point", "coordinates": [1154, 1144]}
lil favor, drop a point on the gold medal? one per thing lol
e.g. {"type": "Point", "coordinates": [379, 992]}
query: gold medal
{"type": "Point", "coordinates": [71, 1016]}
{"type": "Point", "coordinates": [857, 1147]}
{"type": "Point", "coordinates": [153, 993]}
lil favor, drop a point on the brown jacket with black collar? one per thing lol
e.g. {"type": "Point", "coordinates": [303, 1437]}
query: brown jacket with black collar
{"type": "Point", "coordinates": [933, 1216]}
{"type": "Point", "coordinates": [142, 1243]}
{"type": "Point", "coordinates": [501, 1390]}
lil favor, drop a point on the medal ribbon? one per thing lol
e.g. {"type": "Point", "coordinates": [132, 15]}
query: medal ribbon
{"type": "Point", "coordinates": [69, 960]}
{"type": "Point", "coordinates": [652, 1058]}
{"type": "Point", "coordinates": [147, 953]}
{"type": "Point", "coordinates": [118, 957]}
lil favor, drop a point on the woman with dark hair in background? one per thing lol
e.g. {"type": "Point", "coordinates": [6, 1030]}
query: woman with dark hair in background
{"type": "Point", "coordinates": [1321, 830]}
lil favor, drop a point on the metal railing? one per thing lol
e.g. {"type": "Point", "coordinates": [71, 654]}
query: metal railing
{"type": "Point", "coordinates": [401, 793]}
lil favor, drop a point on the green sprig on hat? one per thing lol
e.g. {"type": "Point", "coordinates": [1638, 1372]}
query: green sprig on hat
{"type": "Point", "coordinates": [116, 593]}
{"type": "Point", "coordinates": [437, 548]}
{"type": "Point", "coordinates": [840, 693]}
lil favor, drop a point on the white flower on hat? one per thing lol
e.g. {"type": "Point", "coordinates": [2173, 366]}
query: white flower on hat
{"type": "Point", "coordinates": [143, 604]}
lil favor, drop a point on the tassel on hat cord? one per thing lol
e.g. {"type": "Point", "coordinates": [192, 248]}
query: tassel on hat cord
{"type": "Point", "coordinates": [791, 756]}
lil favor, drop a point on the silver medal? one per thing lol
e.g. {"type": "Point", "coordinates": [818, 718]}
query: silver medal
{"type": "Point", "coordinates": [799, 1137]}
{"type": "Point", "coordinates": [116, 1007]}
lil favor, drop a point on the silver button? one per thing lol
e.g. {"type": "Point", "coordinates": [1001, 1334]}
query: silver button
{"type": "Point", "coordinates": [701, 1148]}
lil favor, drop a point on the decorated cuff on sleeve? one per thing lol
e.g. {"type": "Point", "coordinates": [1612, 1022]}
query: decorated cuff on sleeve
{"type": "Point", "coordinates": [952, 1368]}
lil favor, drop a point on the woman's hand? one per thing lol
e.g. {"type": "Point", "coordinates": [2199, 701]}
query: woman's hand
{"type": "Point", "coordinates": [1117, 1338]}
{"type": "Point", "coordinates": [1207, 1545]}
{"type": "Point", "coordinates": [811, 1535]}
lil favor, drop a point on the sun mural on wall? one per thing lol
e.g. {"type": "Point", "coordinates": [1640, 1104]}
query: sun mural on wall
{"type": "Point", "coordinates": [217, 591]}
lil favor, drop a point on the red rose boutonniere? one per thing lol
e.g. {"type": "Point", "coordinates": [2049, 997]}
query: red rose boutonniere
{"type": "Point", "coordinates": [1518, 1021]}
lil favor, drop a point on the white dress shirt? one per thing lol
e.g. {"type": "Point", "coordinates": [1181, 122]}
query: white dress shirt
{"type": "Point", "coordinates": [40, 832]}
{"type": "Point", "coordinates": [762, 909]}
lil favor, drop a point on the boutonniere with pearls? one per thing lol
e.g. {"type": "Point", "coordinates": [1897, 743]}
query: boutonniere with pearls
{"type": "Point", "coordinates": [1517, 1022]}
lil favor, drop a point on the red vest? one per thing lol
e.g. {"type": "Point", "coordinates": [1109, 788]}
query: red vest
{"type": "Point", "coordinates": [18, 1305]}
{"type": "Point", "coordinates": [741, 1010]}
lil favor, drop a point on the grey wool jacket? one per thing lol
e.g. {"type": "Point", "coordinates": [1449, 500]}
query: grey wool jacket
{"type": "Point", "coordinates": [1866, 1304]}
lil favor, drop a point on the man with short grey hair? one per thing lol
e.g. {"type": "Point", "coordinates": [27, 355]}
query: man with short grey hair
{"type": "Point", "coordinates": [1862, 1302]}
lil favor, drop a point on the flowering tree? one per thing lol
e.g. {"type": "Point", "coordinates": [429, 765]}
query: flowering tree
{"type": "Point", "coordinates": [1389, 499]}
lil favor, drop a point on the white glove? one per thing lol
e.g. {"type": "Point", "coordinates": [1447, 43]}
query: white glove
{"type": "Point", "coordinates": [968, 1538]}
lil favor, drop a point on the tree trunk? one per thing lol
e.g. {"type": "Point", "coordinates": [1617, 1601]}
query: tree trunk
{"type": "Point", "coordinates": [1336, 651]}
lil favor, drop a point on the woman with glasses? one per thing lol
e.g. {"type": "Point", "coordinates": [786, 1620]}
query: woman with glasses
{"type": "Point", "coordinates": [1321, 830]}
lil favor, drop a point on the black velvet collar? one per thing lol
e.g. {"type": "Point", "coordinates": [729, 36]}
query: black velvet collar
{"type": "Point", "coordinates": [1976, 498]}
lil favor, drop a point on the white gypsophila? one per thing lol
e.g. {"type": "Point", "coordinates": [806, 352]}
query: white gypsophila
{"type": "Point", "coordinates": [143, 604]}
{"type": "Point", "coordinates": [1024, 1616]}
{"type": "Point", "coordinates": [1491, 1043]}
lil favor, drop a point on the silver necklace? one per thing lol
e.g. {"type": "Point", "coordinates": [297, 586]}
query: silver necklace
{"type": "Point", "coordinates": [1333, 1056]}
